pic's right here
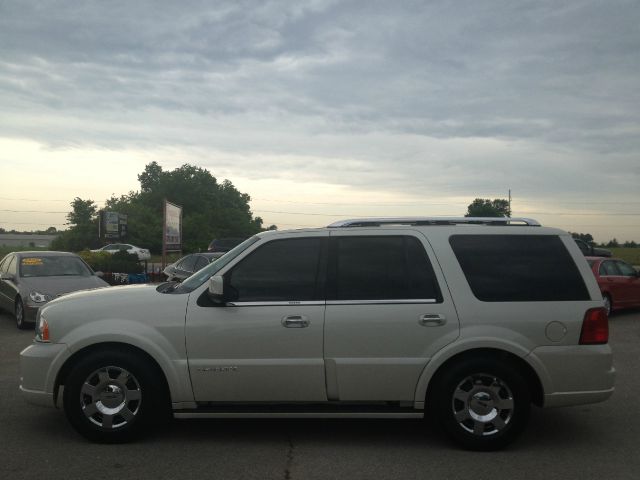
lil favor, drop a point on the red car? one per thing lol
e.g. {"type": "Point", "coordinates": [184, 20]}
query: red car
{"type": "Point", "coordinates": [619, 282]}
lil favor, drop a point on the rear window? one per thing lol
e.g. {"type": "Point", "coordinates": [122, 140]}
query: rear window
{"type": "Point", "coordinates": [518, 268]}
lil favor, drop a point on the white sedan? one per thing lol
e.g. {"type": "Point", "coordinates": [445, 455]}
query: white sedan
{"type": "Point", "coordinates": [142, 253]}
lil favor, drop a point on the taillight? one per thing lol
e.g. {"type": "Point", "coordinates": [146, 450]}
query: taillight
{"type": "Point", "coordinates": [595, 327]}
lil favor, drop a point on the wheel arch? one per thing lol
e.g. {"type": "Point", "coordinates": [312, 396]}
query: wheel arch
{"type": "Point", "coordinates": [529, 374]}
{"type": "Point", "coordinates": [70, 362]}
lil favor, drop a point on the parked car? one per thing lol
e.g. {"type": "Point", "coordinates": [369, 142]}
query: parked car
{"type": "Point", "coordinates": [28, 280]}
{"type": "Point", "coordinates": [589, 250]}
{"type": "Point", "coordinates": [223, 245]}
{"type": "Point", "coordinates": [619, 282]}
{"type": "Point", "coordinates": [188, 265]}
{"type": "Point", "coordinates": [142, 253]}
{"type": "Point", "coordinates": [458, 319]}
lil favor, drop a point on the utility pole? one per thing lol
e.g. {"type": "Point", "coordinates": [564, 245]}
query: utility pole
{"type": "Point", "coordinates": [510, 212]}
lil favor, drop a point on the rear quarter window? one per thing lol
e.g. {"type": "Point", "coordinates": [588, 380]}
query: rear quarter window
{"type": "Point", "coordinates": [518, 268]}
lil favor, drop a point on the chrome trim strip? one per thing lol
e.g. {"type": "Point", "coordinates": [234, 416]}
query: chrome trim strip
{"type": "Point", "coordinates": [292, 303]}
{"type": "Point", "coordinates": [298, 415]}
{"type": "Point", "coordinates": [335, 302]}
{"type": "Point", "coordinates": [382, 302]}
{"type": "Point", "coordinates": [377, 221]}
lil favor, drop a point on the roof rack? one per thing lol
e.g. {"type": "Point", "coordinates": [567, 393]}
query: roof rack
{"type": "Point", "coordinates": [376, 222]}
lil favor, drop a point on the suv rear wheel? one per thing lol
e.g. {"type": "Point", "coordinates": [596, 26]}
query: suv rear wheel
{"type": "Point", "coordinates": [112, 396]}
{"type": "Point", "coordinates": [482, 404]}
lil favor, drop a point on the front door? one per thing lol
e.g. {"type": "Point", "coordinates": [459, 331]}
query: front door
{"type": "Point", "coordinates": [265, 344]}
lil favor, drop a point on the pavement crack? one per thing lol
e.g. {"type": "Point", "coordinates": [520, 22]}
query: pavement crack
{"type": "Point", "coordinates": [290, 456]}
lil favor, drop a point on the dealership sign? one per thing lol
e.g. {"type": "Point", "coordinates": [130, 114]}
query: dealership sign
{"type": "Point", "coordinates": [113, 225]}
{"type": "Point", "coordinates": [172, 231]}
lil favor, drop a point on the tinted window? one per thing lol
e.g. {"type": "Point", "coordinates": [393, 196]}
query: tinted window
{"type": "Point", "coordinates": [201, 263]}
{"type": "Point", "coordinates": [518, 268]}
{"type": "Point", "coordinates": [12, 267]}
{"type": "Point", "coordinates": [626, 269]}
{"type": "Point", "coordinates": [188, 263]}
{"type": "Point", "coordinates": [609, 268]}
{"type": "Point", "coordinates": [281, 270]}
{"type": "Point", "coordinates": [381, 268]}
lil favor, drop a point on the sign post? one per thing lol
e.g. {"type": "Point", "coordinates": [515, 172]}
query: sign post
{"type": "Point", "coordinates": [171, 230]}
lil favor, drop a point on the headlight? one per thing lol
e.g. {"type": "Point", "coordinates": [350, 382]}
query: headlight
{"type": "Point", "coordinates": [42, 329]}
{"type": "Point", "coordinates": [37, 297]}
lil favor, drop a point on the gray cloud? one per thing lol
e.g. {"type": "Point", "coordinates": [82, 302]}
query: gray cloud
{"type": "Point", "coordinates": [469, 96]}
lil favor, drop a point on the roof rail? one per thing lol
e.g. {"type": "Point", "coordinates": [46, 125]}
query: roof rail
{"type": "Point", "coordinates": [376, 222]}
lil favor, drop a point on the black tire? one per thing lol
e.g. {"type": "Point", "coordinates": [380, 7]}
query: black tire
{"type": "Point", "coordinates": [114, 396]}
{"type": "Point", "coordinates": [481, 403]}
{"type": "Point", "coordinates": [20, 315]}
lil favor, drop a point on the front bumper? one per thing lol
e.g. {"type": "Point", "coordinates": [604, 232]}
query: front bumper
{"type": "Point", "coordinates": [31, 312]}
{"type": "Point", "coordinates": [39, 367]}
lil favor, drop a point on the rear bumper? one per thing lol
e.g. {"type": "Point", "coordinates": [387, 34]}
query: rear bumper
{"type": "Point", "coordinates": [574, 375]}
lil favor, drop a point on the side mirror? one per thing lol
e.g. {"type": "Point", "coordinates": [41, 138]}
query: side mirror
{"type": "Point", "coordinates": [99, 274]}
{"type": "Point", "coordinates": [216, 289]}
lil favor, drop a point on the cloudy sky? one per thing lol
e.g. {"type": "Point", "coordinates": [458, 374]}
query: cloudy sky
{"type": "Point", "coordinates": [327, 109]}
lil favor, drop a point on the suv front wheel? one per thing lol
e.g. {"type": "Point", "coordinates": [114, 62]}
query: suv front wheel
{"type": "Point", "coordinates": [112, 396]}
{"type": "Point", "coordinates": [483, 404]}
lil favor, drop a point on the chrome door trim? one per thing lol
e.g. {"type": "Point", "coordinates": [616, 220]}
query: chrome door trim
{"type": "Point", "coordinates": [383, 302]}
{"type": "Point", "coordinates": [292, 303]}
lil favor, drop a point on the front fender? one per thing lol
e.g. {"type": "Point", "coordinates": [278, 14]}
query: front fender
{"type": "Point", "coordinates": [166, 347]}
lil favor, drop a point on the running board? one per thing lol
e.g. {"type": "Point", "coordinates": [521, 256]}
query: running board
{"type": "Point", "coordinates": [331, 410]}
{"type": "Point", "coordinates": [197, 414]}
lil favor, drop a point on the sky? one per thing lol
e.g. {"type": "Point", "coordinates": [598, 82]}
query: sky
{"type": "Point", "coordinates": [322, 110]}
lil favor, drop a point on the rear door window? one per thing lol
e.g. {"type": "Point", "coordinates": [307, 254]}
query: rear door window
{"type": "Point", "coordinates": [518, 268]}
{"type": "Point", "coordinates": [381, 268]}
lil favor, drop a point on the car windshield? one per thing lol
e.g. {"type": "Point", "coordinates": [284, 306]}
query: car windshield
{"type": "Point", "coordinates": [50, 266]}
{"type": "Point", "coordinates": [201, 276]}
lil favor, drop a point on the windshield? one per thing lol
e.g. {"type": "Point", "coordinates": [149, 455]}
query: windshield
{"type": "Point", "coordinates": [201, 276]}
{"type": "Point", "coordinates": [48, 266]}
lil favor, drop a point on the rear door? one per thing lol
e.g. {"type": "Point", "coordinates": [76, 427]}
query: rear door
{"type": "Point", "coordinates": [388, 312]}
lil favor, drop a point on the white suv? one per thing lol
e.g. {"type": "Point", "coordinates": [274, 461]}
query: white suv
{"type": "Point", "coordinates": [464, 320]}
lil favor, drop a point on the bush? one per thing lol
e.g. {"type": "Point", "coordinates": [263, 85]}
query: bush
{"type": "Point", "coordinates": [119, 262]}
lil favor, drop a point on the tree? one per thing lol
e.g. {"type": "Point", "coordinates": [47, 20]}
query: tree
{"type": "Point", "coordinates": [484, 207]}
{"type": "Point", "coordinates": [83, 227]}
{"type": "Point", "coordinates": [585, 237]}
{"type": "Point", "coordinates": [210, 209]}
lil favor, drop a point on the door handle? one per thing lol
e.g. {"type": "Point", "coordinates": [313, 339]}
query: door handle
{"type": "Point", "coordinates": [295, 321]}
{"type": "Point", "coordinates": [432, 320]}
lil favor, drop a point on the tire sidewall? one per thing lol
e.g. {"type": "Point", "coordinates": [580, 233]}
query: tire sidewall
{"type": "Point", "coordinates": [442, 398]}
{"type": "Point", "coordinates": [20, 313]}
{"type": "Point", "coordinates": [153, 405]}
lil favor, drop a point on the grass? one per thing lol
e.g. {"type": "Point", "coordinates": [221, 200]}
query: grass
{"type": "Point", "coordinates": [630, 255]}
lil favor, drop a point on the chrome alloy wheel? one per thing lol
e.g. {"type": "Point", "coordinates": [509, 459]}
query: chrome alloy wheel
{"type": "Point", "coordinates": [110, 397]}
{"type": "Point", "coordinates": [482, 404]}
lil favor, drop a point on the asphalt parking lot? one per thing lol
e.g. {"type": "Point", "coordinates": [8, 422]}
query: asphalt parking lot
{"type": "Point", "coordinates": [600, 441]}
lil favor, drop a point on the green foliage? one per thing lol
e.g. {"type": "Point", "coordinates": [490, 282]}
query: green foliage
{"type": "Point", "coordinates": [210, 210]}
{"type": "Point", "coordinates": [631, 255]}
{"type": "Point", "coordinates": [119, 262]}
{"type": "Point", "coordinates": [585, 237]}
{"type": "Point", "coordinates": [83, 230]}
{"type": "Point", "coordinates": [484, 207]}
